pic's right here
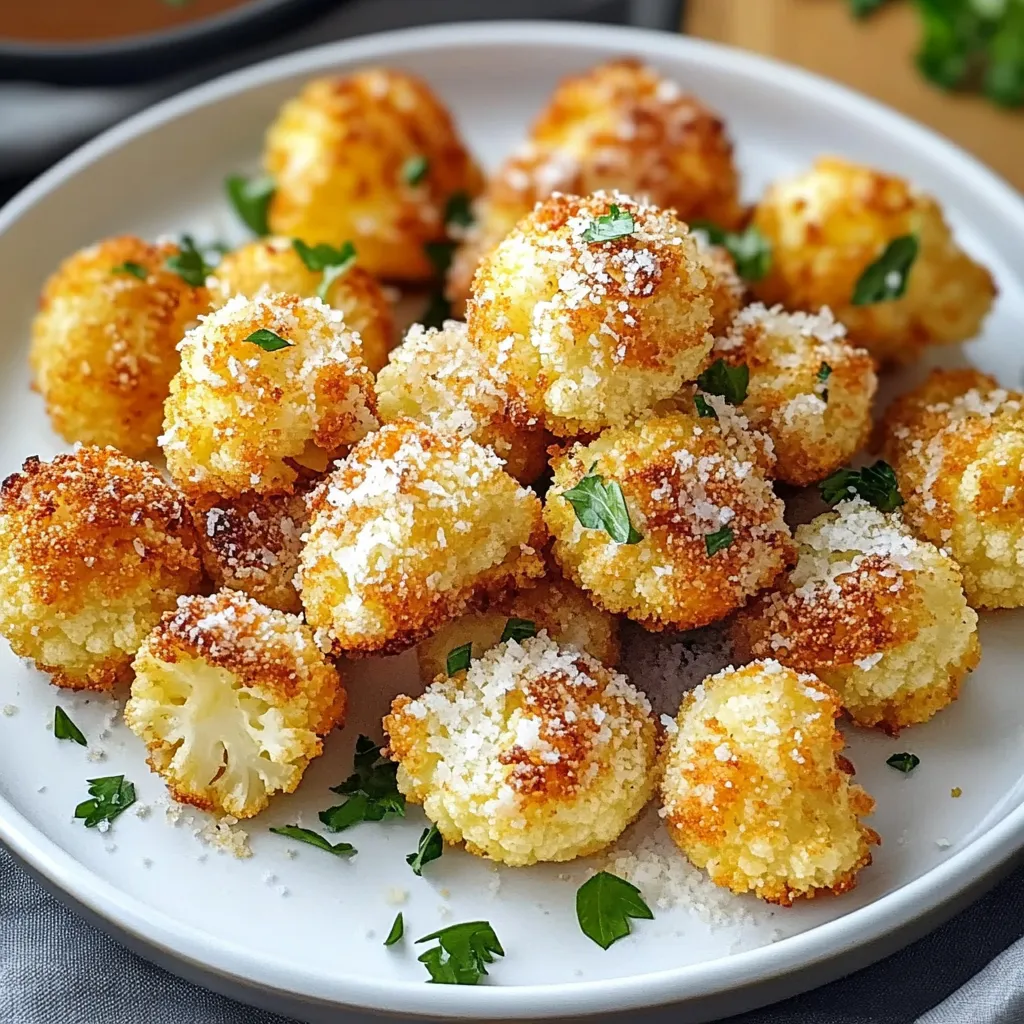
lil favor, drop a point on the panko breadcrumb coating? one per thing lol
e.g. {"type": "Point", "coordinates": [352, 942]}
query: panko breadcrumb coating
{"type": "Point", "coordinates": [829, 224]}
{"type": "Point", "coordinates": [104, 342]}
{"type": "Point", "coordinates": [756, 791]}
{"type": "Point", "coordinates": [554, 605]}
{"type": "Point", "coordinates": [727, 288]}
{"type": "Point", "coordinates": [273, 265]}
{"type": "Point", "coordinates": [94, 548]}
{"type": "Point", "coordinates": [690, 485]}
{"type": "Point", "coordinates": [620, 125]}
{"type": "Point", "coordinates": [342, 154]}
{"type": "Point", "coordinates": [412, 529]}
{"type": "Point", "coordinates": [809, 390]}
{"type": "Point", "coordinates": [231, 698]}
{"type": "Point", "coordinates": [239, 418]}
{"type": "Point", "coordinates": [876, 614]}
{"type": "Point", "coordinates": [957, 446]}
{"type": "Point", "coordinates": [439, 378]}
{"type": "Point", "coordinates": [591, 333]}
{"type": "Point", "coordinates": [536, 753]}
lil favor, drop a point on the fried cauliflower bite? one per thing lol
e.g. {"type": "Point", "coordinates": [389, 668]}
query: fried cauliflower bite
{"type": "Point", "coordinates": [727, 289]}
{"type": "Point", "coordinates": [272, 265]}
{"type": "Point", "coordinates": [415, 527]}
{"type": "Point", "coordinates": [957, 447]}
{"type": "Point", "coordinates": [440, 378]}
{"type": "Point", "coordinates": [94, 548]}
{"type": "Point", "coordinates": [829, 224]}
{"type": "Point", "coordinates": [756, 791]}
{"type": "Point", "coordinates": [809, 390]}
{"type": "Point", "coordinates": [231, 698]}
{"type": "Point", "coordinates": [554, 605]}
{"type": "Point", "coordinates": [343, 154]}
{"type": "Point", "coordinates": [535, 753]}
{"type": "Point", "coordinates": [591, 333]}
{"type": "Point", "coordinates": [876, 614]}
{"type": "Point", "coordinates": [240, 417]}
{"type": "Point", "coordinates": [711, 528]}
{"type": "Point", "coordinates": [103, 348]}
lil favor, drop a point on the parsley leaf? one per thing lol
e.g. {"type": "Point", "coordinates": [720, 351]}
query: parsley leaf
{"type": "Point", "coordinates": [718, 541]}
{"type": "Point", "coordinates": [462, 953]}
{"type": "Point", "coordinates": [65, 729]}
{"type": "Point", "coordinates": [604, 905]}
{"type": "Point", "coordinates": [430, 847]}
{"type": "Point", "coordinates": [823, 374]}
{"type": "Point", "coordinates": [268, 340]}
{"type": "Point", "coordinates": [440, 255]}
{"type": "Point", "coordinates": [251, 199]}
{"type": "Point", "coordinates": [459, 210]}
{"type": "Point", "coordinates": [305, 835]}
{"type": "Point", "coordinates": [459, 658]}
{"type": "Point", "coordinates": [518, 629]}
{"type": "Point", "coordinates": [189, 263]}
{"type": "Point", "coordinates": [886, 278]}
{"type": "Point", "coordinates": [333, 262]}
{"type": "Point", "coordinates": [904, 762]}
{"type": "Point", "coordinates": [131, 267]}
{"type": "Point", "coordinates": [110, 796]}
{"type": "Point", "coordinates": [876, 484]}
{"type": "Point", "coordinates": [614, 224]}
{"type": "Point", "coordinates": [397, 931]}
{"type": "Point", "coordinates": [602, 506]}
{"type": "Point", "coordinates": [749, 249]}
{"type": "Point", "coordinates": [415, 170]}
{"type": "Point", "coordinates": [1004, 78]}
{"type": "Point", "coordinates": [862, 8]}
{"type": "Point", "coordinates": [371, 790]}
{"type": "Point", "coordinates": [729, 382]}
{"type": "Point", "coordinates": [705, 409]}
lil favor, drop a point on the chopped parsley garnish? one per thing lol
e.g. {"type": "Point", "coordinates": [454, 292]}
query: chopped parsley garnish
{"type": "Point", "coordinates": [189, 263]}
{"type": "Point", "coordinates": [459, 210]}
{"type": "Point", "coordinates": [719, 540]}
{"type": "Point", "coordinates": [440, 255]}
{"type": "Point", "coordinates": [728, 382]}
{"type": "Point", "coordinates": [110, 796]}
{"type": "Point", "coordinates": [131, 267]}
{"type": "Point", "coordinates": [397, 931]}
{"type": "Point", "coordinates": [65, 729]}
{"type": "Point", "coordinates": [459, 658]}
{"type": "Point", "coordinates": [430, 847]}
{"type": "Point", "coordinates": [371, 790]}
{"type": "Point", "coordinates": [333, 262]}
{"type": "Point", "coordinates": [305, 835]}
{"type": "Point", "coordinates": [518, 629]}
{"type": "Point", "coordinates": [824, 372]}
{"type": "Point", "coordinates": [886, 278]}
{"type": "Point", "coordinates": [438, 310]}
{"type": "Point", "coordinates": [602, 506]}
{"type": "Point", "coordinates": [903, 762]}
{"type": "Point", "coordinates": [415, 169]}
{"type": "Point", "coordinates": [268, 340]}
{"type": "Point", "coordinates": [462, 953]}
{"type": "Point", "coordinates": [862, 8]}
{"type": "Point", "coordinates": [251, 199]}
{"type": "Point", "coordinates": [876, 484]}
{"type": "Point", "coordinates": [704, 408]}
{"type": "Point", "coordinates": [614, 224]}
{"type": "Point", "coordinates": [749, 249]}
{"type": "Point", "coordinates": [604, 905]}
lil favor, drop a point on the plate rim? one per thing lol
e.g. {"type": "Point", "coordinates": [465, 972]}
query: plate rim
{"type": "Point", "coordinates": [856, 929]}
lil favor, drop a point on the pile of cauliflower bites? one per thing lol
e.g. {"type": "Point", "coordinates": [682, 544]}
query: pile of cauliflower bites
{"type": "Point", "coordinates": [645, 372]}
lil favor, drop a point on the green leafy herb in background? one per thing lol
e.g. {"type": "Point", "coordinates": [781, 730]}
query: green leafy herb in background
{"type": "Point", "coordinates": [462, 953]}
{"type": "Point", "coordinates": [331, 261]}
{"type": "Point", "coordinates": [459, 658]}
{"type": "Point", "coordinates": [602, 506]}
{"type": "Point", "coordinates": [886, 279]}
{"type": "Point", "coordinates": [65, 729]}
{"type": "Point", "coordinates": [305, 835]}
{"type": "Point", "coordinates": [109, 797]}
{"type": "Point", "coordinates": [604, 905]}
{"type": "Point", "coordinates": [430, 847]}
{"type": "Point", "coordinates": [616, 223]}
{"type": "Point", "coordinates": [876, 484]}
{"type": "Point", "coordinates": [251, 199]}
{"type": "Point", "coordinates": [518, 629]}
{"type": "Point", "coordinates": [749, 249]}
{"type": "Point", "coordinates": [458, 211]}
{"type": "Point", "coordinates": [728, 382]}
{"type": "Point", "coordinates": [189, 263]}
{"type": "Point", "coordinates": [371, 789]}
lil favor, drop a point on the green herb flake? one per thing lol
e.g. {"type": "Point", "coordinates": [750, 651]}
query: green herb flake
{"type": "Point", "coordinates": [823, 374]}
{"type": "Point", "coordinates": [430, 847]}
{"type": "Point", "coordinates": [459, 658]}
{"type": "Point", "coordinates": [614, 224]}
{"type": "Point", "coordinates": [718, 541]}
{"type": "Point", "coordinates": [251, 199]}
{"type": "Point", "coordinates": [728, 382]}
{"type": "Point", "coordinates": [602, 506]}
{"type": "Point", "coordinates": [131, 267]}
{"type": "Point", "coordinates": [440, 255]}
{"type": "Point", "coordinates": [415, 170]}
{"type": "Point", "coordinates": [604, 905]}
{"type": "Point", "coordinates": [862, 8]}
{"type": "Point", "coordinates": [305, 835]}
{"type": "Point", "coordinates": [268, 340]}
{"type": "Point", "coordinates": [705, 410]}
{"type": "Point", "coordinates": [876, 484]}
{"type": "Point", "coordinates": [903, 762]}
{"type": "Point", "coordinates": [458, 211]}
{"type": "Point", "coordinates": [518, 630]}
{"type": "Point", "coordinates": [329, 260]}
{"type": "Point", "coordinates": [751, 252]}
{"type": "Point", "coordinates": [462, 953]}
{"type": "Point", "coordinates": [65, 729]}
{"type": "Point", "coordinates": [372, 790]}
{"type": "Point", "coordinates": [397, 931]}
{"type": "Point", "coordinates": [886, 278]}
{"type": "Point", "coordinates": [110, 796]}
{"type": "Point", "coordinates": [189, 263]}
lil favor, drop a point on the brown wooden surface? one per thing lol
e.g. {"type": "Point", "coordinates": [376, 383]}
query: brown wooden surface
{"type": "Point", "coordinates": [875, 56]}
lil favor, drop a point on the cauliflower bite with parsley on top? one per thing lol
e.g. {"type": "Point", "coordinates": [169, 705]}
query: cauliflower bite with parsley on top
{"type": "Point", "coordinates": [554, 605]}
{"type": "Point", "coordinates": [240, 416]}
{"type": "Point", "coordinates": [374, 158]}
{"type": "Point", "coordinates": [535, 753]}
{"type": "Point", "coordinates": [593, 332]}
{"type": "Point", "coordinates": [957, 447]}
{"type": "Point", "coordinates": [711, 532]}
{"type": "Point", "coordinates": [809, 390]}
{"type": "Point", "coordinates": [94, 548]}
{"type": "Point", "coordinates": [103, 348]}
{"type": "Point", "coordinates": [415, 527]}
{"type": "Point", "coordinates": [828, 225]}
{"type": "Point", "coordinates": [876, 614]}
{"type": "Point", "coordinates": [231, 698]}
{"type": "Point", "coordinates": [756, 791]}
{"type": "Point", "coordinates": [273, 265]}
{"type": "Point", "coordinates": [440, 378]}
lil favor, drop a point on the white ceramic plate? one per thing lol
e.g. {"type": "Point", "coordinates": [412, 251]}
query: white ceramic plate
{"type": "Point", "coordinates": [305, 932]}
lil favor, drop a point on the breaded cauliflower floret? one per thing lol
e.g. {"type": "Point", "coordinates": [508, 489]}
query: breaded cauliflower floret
{"type": "Point", "coordinates": [103, 342]}
{"type": "Point", "coordinates": [439, 378]}
{"type": "Point", "coordinates": [829, 224]}
{"type": "Point", "coordinates": [957, 446]}
{"type": "Point", "coordinates": [727, 289]}
{"type": "Point", "coordinates": [273, 265]}
{"type": "Point", "coordinates": [756, 791]}
{"type": "Point", "coordinates": [554, 605]}
{"type": "Point", "coordinates": [591, 333]}
{"type": "Point", "coordinates": [94, 548]}
{"type": "Point", "coordinates": [536, 753]}
{"type": "Point", "coordinates": [412, 529]}
{"type": "Point", "coordinates": [809, 390]}
{"type": "Point", "coordinates": [240, 416]}
{"type": "Point", "coordinates": [876, 614]}
{"type": "Point", "coordinates": [374, 158]}
{"type": "Point", "coordinates": [231, 698]}
{"type": "Point", "coordinates": [711, 528]}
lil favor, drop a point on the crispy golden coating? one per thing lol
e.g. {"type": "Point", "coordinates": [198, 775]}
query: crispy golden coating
{"type": "Point", "coordinates": [340, 153]}
{"type": "Point", "coordinates": [592, 333]}
{"type": "Point", "coordinates": [415, 527]}
{"type": "Point", "coordinates": [94, 548]}
{"type": "Point", "coordinates": [828, 225]}
{"type": "Point", "coordinates": [756, 791]}
{"type": "Point", "coordinates": [957, 446]}
{"type": "Point", "coordinates": [104, 342]}
{"type": "Point", "coordinates": [690, 485]}
{"type": "Point", "coordinates": [273, 265]}
{"type": "Point", "coordinates": [727, 289]}
{"type": "Point", "coordinates": [809, 390]}
{"type": "Point", "coordinates": [440, 378]}
{"type": "Point", "coordinates": [241, 418]}
{"type": "Point", "coordinates": [536, 753]}
{"type": "Point", "coordinates": [231, 698]}
{"type": "Point", "coordinates": [877, 614]}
